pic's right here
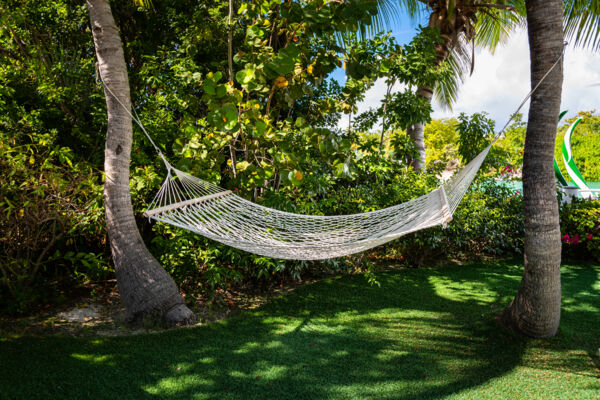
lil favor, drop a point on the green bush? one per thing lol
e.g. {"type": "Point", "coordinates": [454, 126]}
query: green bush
{"type": "Point", "coordinates": [488, 222]}
{"type": "Point", "coordinates": [441, 141]}
{"type": "Point", "coordinates": [580, 229]}
{"type": "Point", "coordinates": [51, 221]}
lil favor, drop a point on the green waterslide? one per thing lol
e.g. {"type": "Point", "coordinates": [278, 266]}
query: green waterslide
{"type": "Point", "coordinates": [569, 162]}
{"type": "Point", "coordinates": [559, 176]}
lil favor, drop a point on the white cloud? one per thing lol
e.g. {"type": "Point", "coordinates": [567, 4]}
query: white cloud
{"type": "Point", "coordinates": [498, 84]}
{"type": "Point", "coordinates": [581, 87]}
{"type": "Point", "coordinates": [500, 81]}
{"type": "Point", "coordinates": [372, 99]}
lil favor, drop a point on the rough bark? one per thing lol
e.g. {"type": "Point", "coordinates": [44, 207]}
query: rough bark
{"type": "Point", "coordinates": [416, 132]}
{"type": "Point", "coordinates": [535, 310]}
{"type": "Point", "coordinates": [146, 289]}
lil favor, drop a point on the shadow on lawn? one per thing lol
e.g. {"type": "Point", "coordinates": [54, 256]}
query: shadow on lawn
{"type": "Point", "coordinates": [423, 334]}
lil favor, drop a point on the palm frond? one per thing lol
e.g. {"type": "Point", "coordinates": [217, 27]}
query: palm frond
{"type": "Point", "coordinates": [494, 25]}
{"type": "Point", "coordinates": [413, 8]}
{"type": "Point", "coordinates": [388, 15]}
{"type": "Point", "coordinates": [582, 23]}
{"type": "Point", "coordinates": [446, 90]}
{"type": "Point", "coordinates": [145, 4]}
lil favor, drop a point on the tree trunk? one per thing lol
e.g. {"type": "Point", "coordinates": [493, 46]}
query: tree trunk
{"type": "Point", "coordinates": [147, 290]}
{"type": "Point", "coordinates": [535, 310]}
{"type": "Point", "coordinates": [417, 132]}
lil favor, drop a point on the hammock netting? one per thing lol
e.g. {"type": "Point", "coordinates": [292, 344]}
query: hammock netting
{"type": "Point", "coordinates": [216, 213]}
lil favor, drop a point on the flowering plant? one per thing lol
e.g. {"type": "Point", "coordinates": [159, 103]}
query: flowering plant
{"type": "Point", "coordinates": [580, 226]}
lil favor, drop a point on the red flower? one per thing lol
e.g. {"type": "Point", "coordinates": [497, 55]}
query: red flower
{"type": "Point", "coordinates": [566, 238]}
{"type": "Point", "coordinates": [575, 239]}
{"type": "Point", "coordinates": [508, 170]}
{"type": "Point", "coordinates": [590, 236]}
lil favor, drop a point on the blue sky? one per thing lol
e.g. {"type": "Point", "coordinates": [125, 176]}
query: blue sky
{"type": "Point", "coordinates": [403, 30]}
{"type": "Point", "coordinates": [501, 80]}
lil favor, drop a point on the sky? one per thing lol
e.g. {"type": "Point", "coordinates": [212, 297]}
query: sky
{"type": "Point", "coordinates": [500, 81]}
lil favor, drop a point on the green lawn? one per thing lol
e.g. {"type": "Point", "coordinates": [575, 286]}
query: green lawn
{"type": "Point", "coordinates": [424, 334]}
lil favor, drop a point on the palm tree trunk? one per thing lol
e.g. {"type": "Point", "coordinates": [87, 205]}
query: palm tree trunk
{"type": "Point", "coordinates": [147, 290]}
{"type": "Point", "coordinates": [535, 310]}
{"type": "Point", "coordinates": [417, 132]}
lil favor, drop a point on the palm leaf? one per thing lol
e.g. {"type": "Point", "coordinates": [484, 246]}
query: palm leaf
{"type": "Point", "coordinates": [492, 28]}
{"type": "Point", "coordinates": [494, 25]}
{"type": "Point", "coordinates": [582, 22]}
{"type": "Point", "coordinates": [446, 90]}
{"type": "Point", "coordinates": [388, 14]}
{"type": "Point", "coordinates": [146, 4]}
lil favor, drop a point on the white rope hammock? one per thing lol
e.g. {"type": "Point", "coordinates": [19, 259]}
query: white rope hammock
{"type": "Point", "coordinates": [216, 213]}
{"type": "Point", "coordinates": [211, 211]}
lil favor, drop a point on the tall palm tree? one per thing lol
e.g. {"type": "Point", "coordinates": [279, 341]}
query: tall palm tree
{"type": "Point", "coordinates": [146, 289]}
{"type": "Point", "coordinates": [485, 24]}
{"type": "Point", "coordinates": [463, 24]}
{"type": "Point", "coordinates": [535, 310]}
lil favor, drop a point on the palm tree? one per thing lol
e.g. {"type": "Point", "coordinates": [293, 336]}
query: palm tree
{"type": "Point", "coordinates": [462, 25]}
{"type": "Point", "coordinates": [535, 310]}
{"type": "Point", "coordinates": [485, 24]}
{"type": "Point", "coordinates": [146, 289]}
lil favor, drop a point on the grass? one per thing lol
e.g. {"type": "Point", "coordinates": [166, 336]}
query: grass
{"type": "Point", "coordinates": [424, 334]}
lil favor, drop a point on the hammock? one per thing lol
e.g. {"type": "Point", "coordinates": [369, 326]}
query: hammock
{"type": "Point", "coordinates": [216, 213]}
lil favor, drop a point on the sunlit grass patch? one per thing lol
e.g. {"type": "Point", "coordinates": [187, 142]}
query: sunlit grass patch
{"type": "Point", "coordinates": [423, 334]}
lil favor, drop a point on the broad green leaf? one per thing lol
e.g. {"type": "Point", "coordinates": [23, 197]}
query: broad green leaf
{"type": "Point", "coordinates": [229, 112]}
{"type": "Point", "coordinates": [242, 165]}
{"type": "Point", "coordinates": [261, 126]}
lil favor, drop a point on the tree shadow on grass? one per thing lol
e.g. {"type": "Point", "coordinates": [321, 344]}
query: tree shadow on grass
{"type": "Point", "coordinates": [424, 334]}
{"type": "Point", "coordinates": [579, 335]}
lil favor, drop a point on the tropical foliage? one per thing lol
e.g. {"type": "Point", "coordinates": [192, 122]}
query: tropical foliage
{"type": "Point", "coordinates": [580, 229]}
{"type": "Point", "coordinates": [263, 123]}
{"type": "Point", "coordinates": [269, 131]}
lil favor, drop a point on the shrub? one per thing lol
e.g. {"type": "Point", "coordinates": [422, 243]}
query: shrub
{"type": "Point", "coordinates": [488, 222]}
{"type": "Point", "coordinates": [51, 221]}
{"type": "Point", "coordinates": [441, 141]}
{"type": "Point", "coordinates": [580, 229]}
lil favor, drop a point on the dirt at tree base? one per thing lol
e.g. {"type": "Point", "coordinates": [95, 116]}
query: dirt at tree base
{"type": "Point", "coordinates": [104, 315]}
